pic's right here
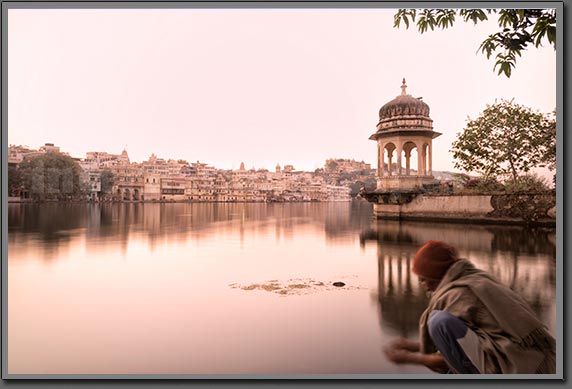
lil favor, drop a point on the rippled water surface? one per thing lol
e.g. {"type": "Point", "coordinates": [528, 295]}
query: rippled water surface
{"type": "Point", "coordinates": [234, 288]}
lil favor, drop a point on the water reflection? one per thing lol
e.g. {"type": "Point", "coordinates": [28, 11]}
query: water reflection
{"type": "Point", "coordinates": [144, 288]}
{"type": "Point", "coordinates": [54, 224]}
{"type": "Point", "coordinates": [525, 260]}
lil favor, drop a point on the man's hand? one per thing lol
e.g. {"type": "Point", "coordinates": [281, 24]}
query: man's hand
{"type": "Point", "coordinates": [405, 351]}
{"type": "Point", "coordinates": [405, 344]}
{"type": "Point", "coordinates": [397, 355]}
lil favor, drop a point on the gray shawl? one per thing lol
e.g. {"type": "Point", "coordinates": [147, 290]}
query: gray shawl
{"type": "Point", "coordinates": [511, 336]}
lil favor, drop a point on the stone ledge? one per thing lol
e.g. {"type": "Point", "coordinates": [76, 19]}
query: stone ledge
{"type": "Point", "coordinates": [465, 219]}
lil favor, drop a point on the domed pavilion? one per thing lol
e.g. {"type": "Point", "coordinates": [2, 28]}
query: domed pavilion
{"type": "Point", "coordinates": [405, 129]}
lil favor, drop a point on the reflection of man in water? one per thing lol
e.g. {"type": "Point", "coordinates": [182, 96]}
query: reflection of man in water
{"type": "Point", "coordinates": [473, 324]}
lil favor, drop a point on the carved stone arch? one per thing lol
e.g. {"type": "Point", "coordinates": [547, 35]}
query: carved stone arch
{"type": "Point", "coordinates": [390, 147]}
{"type": "Point", "coordinates": [408, 147]}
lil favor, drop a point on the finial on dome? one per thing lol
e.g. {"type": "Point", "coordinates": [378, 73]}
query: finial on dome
{"type": "Point", "coordinates": [403, 87]}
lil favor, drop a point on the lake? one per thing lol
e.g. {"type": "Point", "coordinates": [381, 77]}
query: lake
{"type": "Point", "coordinates": [218, 288]}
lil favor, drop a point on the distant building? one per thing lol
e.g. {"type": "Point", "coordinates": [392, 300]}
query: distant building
{"type": "Point", "coordinates": [17, 154]}
{"type": "Point", "coordinates": [49, 148]}
{"type": "Point", "coordinates": [338, 193]}
{"type": "Point", "coordinates": [93, 181]}
{"type": "Point", "coordinates": [339, 165]}
{"type": "Point", "coordinates": [103, 160]}
{"type": "Point", "coordinates": [129, 182]}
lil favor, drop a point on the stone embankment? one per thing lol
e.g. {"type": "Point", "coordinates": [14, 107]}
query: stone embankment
{"type": "Point", "coordinates": [535, 209]}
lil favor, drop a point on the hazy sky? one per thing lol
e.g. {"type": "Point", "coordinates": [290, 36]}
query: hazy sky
{"type": "Point", "coordinates": [257, 86]}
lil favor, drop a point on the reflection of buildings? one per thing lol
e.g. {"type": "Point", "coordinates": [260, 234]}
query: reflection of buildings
{"type": "Point", "coordinates": [400, 296]}
{"type": "Point", "coordinates": [55, 223]}
{"type": "Point", "coordinates": [522, 259]}
{"type": "Point", "coordinates": [401, 299]}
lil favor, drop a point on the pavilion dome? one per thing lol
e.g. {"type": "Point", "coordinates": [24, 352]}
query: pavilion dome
{"type": "Point", "coordinates": [404, 105]}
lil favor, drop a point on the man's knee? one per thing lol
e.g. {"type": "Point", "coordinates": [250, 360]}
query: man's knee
{"type": "Point", "coordinates": [443, 324]}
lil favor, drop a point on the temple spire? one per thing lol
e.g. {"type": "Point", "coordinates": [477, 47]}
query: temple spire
{"type": "Point", "coordinates": [403, 87]}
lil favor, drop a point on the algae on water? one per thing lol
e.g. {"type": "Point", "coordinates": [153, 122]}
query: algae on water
{"type": "Point", "coordinates": [297, 286]}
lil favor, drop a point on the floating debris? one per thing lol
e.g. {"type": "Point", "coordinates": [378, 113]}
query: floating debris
{"type": "Point", "coordinates": [297, 286]}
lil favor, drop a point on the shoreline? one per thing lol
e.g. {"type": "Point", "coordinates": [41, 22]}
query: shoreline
{"type": "Point", "coordinates": [420, 217]}
{"type": "Point", "coordinates": [29, 201]}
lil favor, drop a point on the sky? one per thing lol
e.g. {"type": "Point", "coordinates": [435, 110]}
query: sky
{"type": "Point", "coordinates": [259, 86]}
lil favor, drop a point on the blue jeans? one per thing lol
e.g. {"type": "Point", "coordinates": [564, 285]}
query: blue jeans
{"type": "Point", "coordinates": [444, 330]}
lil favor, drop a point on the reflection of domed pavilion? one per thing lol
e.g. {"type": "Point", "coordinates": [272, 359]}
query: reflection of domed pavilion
{"type": "Point", "coordinates": [404, 127]}
{"type": "Point", "coordinates": [401, 298]}
{"type": "Point", "coordinates": [501, 251]}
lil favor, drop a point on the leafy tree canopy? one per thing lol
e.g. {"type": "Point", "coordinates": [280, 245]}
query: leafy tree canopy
{"type": "Point", "coordinates": [506, 139]}
{"type": "Point", "coordinates": [332, 166]}
{"type": "Point", "coordinates": [15, 180]}
{"type": "Point", "coordinates": [52, 175]}
{"type": "Point", "coordinates": [107, 180]}
{"type": "Point", "coordinates": [518, 29]}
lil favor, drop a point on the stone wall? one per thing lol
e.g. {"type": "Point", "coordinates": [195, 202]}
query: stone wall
{"type": "Point", "coordinates": [504, 209]}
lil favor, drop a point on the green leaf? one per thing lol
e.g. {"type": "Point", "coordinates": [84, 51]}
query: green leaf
{"type": "Point", "coordinates": [551, 34]}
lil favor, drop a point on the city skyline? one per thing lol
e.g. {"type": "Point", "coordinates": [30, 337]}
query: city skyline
{"type": "Point", "coordinates": [84, 156]}
{"type": "Point", "coordinates": [241, 85]}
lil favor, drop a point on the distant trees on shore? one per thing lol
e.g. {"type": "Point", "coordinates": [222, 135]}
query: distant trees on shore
{"type": "Point", "coordinates": [48, 176]}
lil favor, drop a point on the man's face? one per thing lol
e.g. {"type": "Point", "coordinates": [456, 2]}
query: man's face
{"type": "Point", "coordinates": [430, 284]}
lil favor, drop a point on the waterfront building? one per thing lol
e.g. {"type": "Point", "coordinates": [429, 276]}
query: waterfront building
{"type": "Point", "coordinates": [338, 193]}
{"type": "Point", "coordinates": [315, 191]}
{"type": "Point", "coordinates": [93, 181]}
{"type": "Point", "coordinates": [220, 189]}
{"type": "Point", "coordinates": [173, 188]}
{"type": "Point", "coordinates": [129, 182]}
{"type": "Point", "coordinates": [151, 186]}
{"type": "Point", "coordinates": [404, 127]}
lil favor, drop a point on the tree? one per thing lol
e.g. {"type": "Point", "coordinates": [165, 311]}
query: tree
{"type": "Point", "coordinates": [530, 182]}
{"type": "Point", "coordinates": [107, 180]}
{"type": "Point", "coordinates": [549, 157]}
{"type": "Point", "coordinates": [52, 175]}
{"type": "Point", "coordinates": [15, 181]}
{"type": "Point", "coordinates": [519, 28]}
{"type": "Point", "coordinates": [332, 166]}
{"type": "Point", "coordinates": [506, 139]}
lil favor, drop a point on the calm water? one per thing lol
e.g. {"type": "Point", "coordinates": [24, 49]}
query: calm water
{"type": "Point", "coordinates": [234, 288]}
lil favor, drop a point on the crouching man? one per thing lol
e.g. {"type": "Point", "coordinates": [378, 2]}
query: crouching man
{"type": "Point", "coordinates": [473, 324]}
